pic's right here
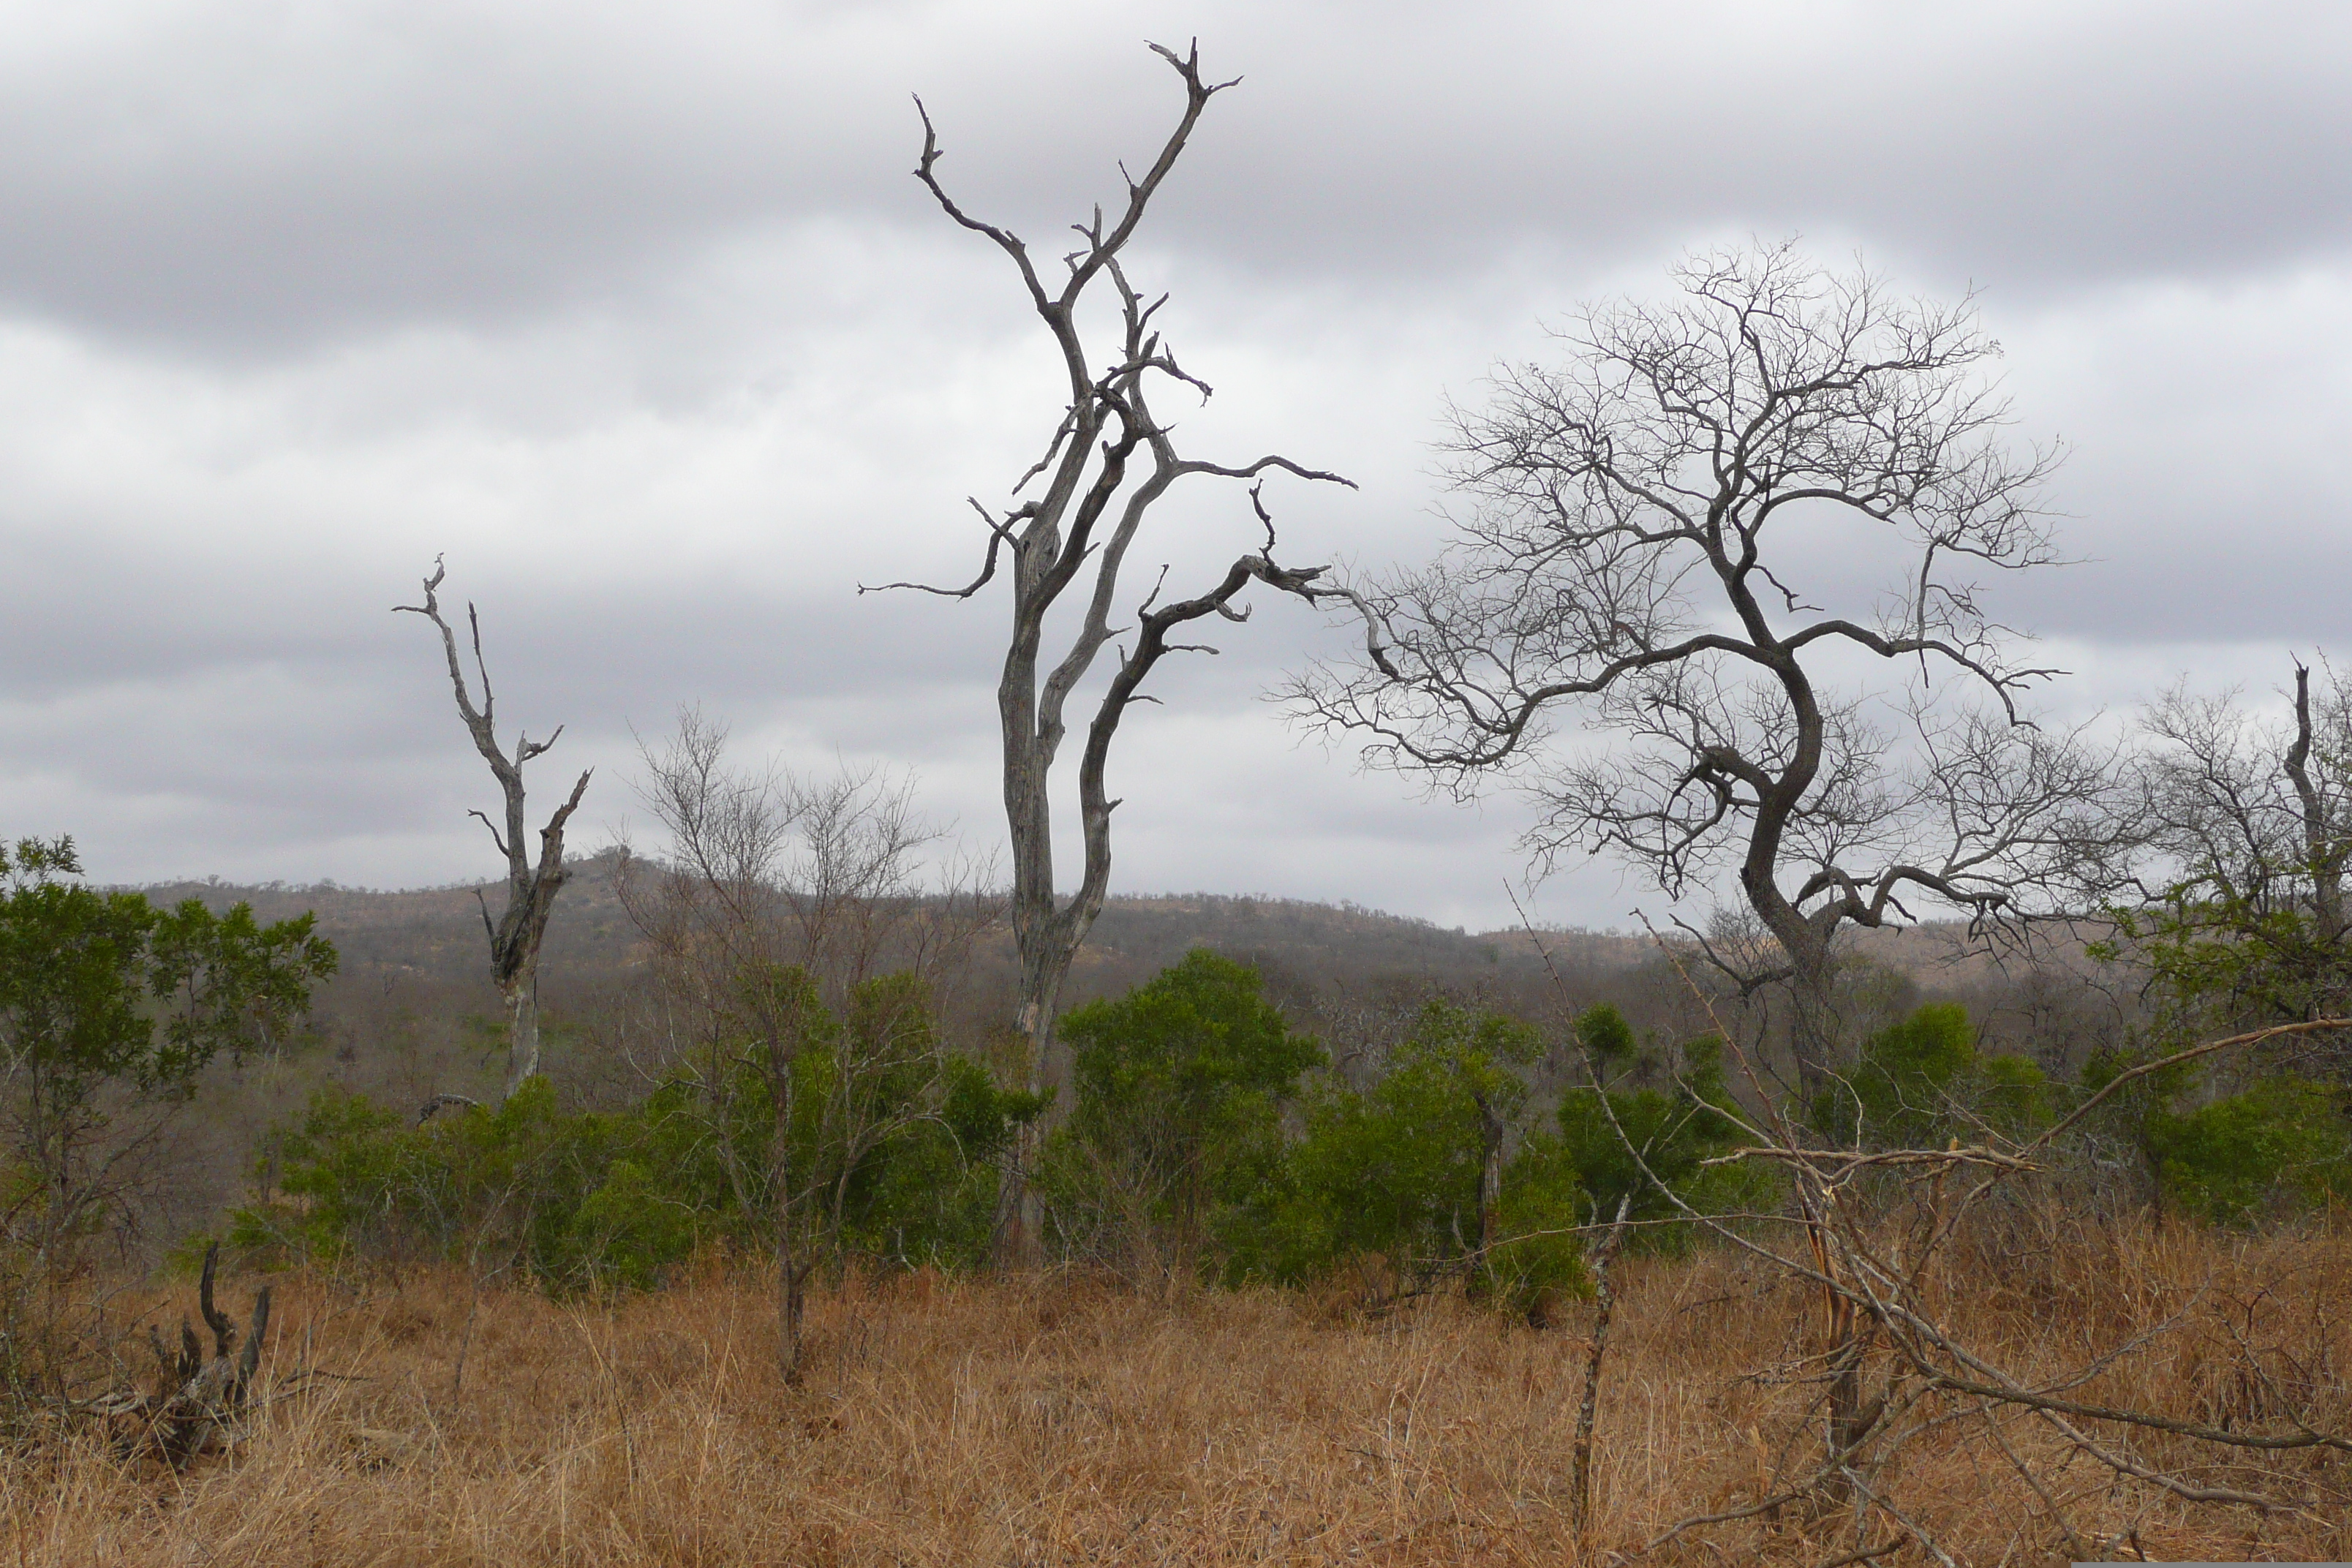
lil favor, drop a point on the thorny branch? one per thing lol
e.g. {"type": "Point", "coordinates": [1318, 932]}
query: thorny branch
{"type": "Point", "coordinates": [1872, 1297]}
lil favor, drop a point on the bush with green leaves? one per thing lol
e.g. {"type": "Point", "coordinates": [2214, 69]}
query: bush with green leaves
{"type": "Point", "coordinates": [108, 1002]}
{"type": "Point", "coordinates": [496, 1187]}
{"type": "Point", "coordinates": [2271, 1144]}
{"type": "Point", "coordinates": [1648, 1147]}
{"type": "Point", "coordinates": [1923, 1082]}
{"type": "Point", "coordinates": [1400, 1169]}
{"type": "Point", "coordinates": [1180, 1090]}
{"type": "Point", "coordinates": [898, 1165]}
{"type": "Point", "coordinates": [2282, 1145]}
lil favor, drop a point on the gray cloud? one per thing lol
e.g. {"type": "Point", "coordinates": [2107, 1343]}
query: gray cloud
{"type": "Point", "coordinates": [639, 319]}
{"type": "Point", "coordinates": [237, 178]}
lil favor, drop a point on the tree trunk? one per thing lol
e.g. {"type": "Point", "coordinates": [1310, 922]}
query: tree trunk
{"type": "Point", "coordinates": [1812, 1023]}
{"type": "Point", "coordinates": [790, 1272]}
{"type": "Point", "coordinates": [1579, 1494]}
{"type": "Point", "coordinates": [1047, 943]}
{"type": "Point", "coordinates": [1812, 1015]}
{"type": "Point", "coordinates": [1022, 1235]}
{"type": "Point", "coordinates": [1804, 941]}
{"type": "Point", "coordinates": [1490, 1183]}
{"type": "Point", "coordinates": [2320, 845]}
{"type": "Point", "coordinates": [522, 997]}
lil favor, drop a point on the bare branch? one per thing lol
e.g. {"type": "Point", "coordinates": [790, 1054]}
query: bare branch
{"type": "Point", "coordinates": [999, 534]}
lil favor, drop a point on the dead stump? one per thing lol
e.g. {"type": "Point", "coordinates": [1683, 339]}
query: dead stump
{"type": "Point", "coordinates": [199, 1401]}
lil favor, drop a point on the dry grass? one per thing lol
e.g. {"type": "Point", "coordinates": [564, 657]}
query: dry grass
{"type": "Point", "coordinates": [1059, 1421]}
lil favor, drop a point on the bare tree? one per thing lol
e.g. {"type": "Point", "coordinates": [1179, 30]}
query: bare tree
{"type": "Point", "coordinates": [515, 935]}
{"type": "Point", "coordinates": [1107, 461]}
{"type": "Point", "coordinates": [2251, 822]}
{"type": "Point", "coordinates": [783, 908]}
{"type": "Point", "coordinates": [1637, 524]}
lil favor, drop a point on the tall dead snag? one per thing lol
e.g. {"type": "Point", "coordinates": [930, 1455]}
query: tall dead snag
{"type": "Point", "coordinates": [1588, 1406]}
{"type": "Point", "coordinates": [2319, 797]}
{"type": "Point", "coordinates": [1107, 463]}
{"type": "Point", "coordinates": [515, 935]}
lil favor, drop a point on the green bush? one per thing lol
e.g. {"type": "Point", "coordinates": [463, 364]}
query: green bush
{"type": "Point", "coordinates": [356, 1179]}
{"type": "Point", "coordinates": [2279, 1145]}
{"type": "Point", "coordinates": [891, 1152]}
{"type": "Point", "coordinates": [1674, 1131]}
{"type": "Point", "coordinates": [105, 998]}
{"type": "Point", "coordinates": [1179, 1088]}
{"type": "Point", "coordinates": [1922, 1082]}
{"type": "Point", "coordinates": [1395, 1170]}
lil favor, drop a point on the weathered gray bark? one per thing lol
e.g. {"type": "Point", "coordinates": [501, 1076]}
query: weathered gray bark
{"type": "Point", "coordinates": [1588, 1406]}
{"type": "Point", "coordinates": [515, 935]}
{"type": "Point", "coordinates": [1491, 1130]}
{"type": "Point", "coordinates": [2324, 842]}
{"type": "Point", "coordinates": [201, 1400]}
{"type": "Point", "coordinates": [1107, 463]}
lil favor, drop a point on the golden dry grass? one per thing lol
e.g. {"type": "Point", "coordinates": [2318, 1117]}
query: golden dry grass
{"type": "Point", "coordinates": [1060, 1421]}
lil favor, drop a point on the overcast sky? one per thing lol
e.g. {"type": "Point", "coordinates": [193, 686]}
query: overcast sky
{"type": "Point", "coordinates": [636, 314]}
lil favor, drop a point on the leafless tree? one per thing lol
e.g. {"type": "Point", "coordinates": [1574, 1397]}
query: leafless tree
{"type": "Point", "coordinates": [2250, 826]}
{"type": "Point", "coordinates": [515, 935]}
{"type": "Point", "coordinates": [1108, 460]}
{"type": "Point", "coordinates": [1637, 523]}
{"type": "Point", "coordinates": [778, 921]}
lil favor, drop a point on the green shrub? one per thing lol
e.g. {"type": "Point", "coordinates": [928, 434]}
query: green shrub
{"type": "Point", "coordinates": [105, 999]}
{"type": "Point", "coordinates": [1674, 1131]}
{"type": "Point", "coordinates": [890, 1151]}
{"type": "Point", "coordinates": [1921, 1082]}
{"type": "Point", "coordinates": [1180, 1088]}
{"type": "Point", "coordinates": [2282, 1145]}
{"type": "Point", "coordinates": [1395, 1170]}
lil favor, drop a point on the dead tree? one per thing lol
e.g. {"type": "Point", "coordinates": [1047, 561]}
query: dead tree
{"type": "Point", "coordinates": [2250, 822]}
{"type": "Point", "coordinates": [1629, 554]}
{"type": "Point", "coordinates": [2319, 799]}
{"type": "Point", "coordinates": [515, 935]}
{"type": "Point", "coordinates": [199, 1398]}
{"type": "Point", "coordinates": [1107, 463]}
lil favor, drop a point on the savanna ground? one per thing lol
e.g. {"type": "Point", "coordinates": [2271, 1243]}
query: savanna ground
{"type": "Point", "coordinates": [1065, 1420]}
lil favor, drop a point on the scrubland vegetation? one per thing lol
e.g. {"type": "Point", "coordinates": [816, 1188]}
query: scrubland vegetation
{"type": "Point", "coordinates": [1498, 1248]}
{"type": "Point", "coordinates": [1331, 1295]}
